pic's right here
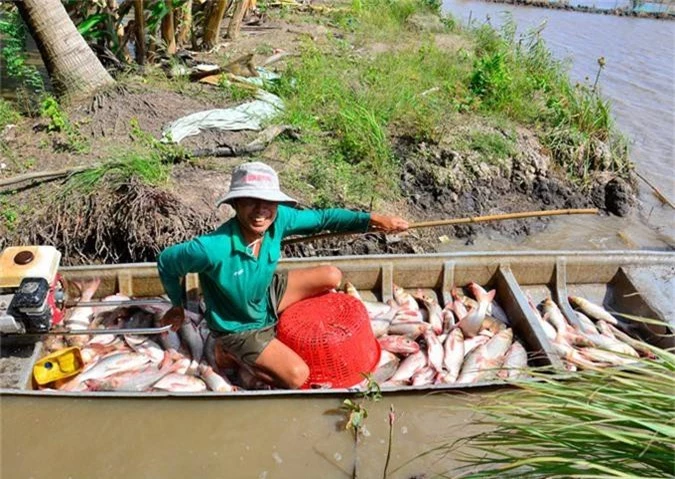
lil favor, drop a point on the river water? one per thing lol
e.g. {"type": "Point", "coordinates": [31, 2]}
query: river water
{"type": "Point", "coordinates": [638, 79]}
{"type": "Point", "coordinates": [295, 437]}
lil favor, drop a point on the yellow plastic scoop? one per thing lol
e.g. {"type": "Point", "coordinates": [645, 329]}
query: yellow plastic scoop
{"type": "Point", "coordinates": [61, 364]}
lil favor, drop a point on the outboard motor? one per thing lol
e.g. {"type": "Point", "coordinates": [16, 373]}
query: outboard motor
{"type": "Point", "coordinates": [31, 291]}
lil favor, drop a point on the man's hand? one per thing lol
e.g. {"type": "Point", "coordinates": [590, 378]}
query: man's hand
{"type": "Point", "coordinates": [175, 317]}
{"type": "Point", "coordinates": [389, 224]}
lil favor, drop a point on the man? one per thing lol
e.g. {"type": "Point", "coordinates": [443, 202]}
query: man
{"type": "Point", "coordinates": [244, 295]}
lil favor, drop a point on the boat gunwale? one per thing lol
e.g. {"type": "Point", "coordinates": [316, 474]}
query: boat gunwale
{"type": "Point", "coordinates": [606, 256]}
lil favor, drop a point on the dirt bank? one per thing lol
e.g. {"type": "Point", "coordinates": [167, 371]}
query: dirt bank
{"type": "Point", "coordinates": [130, 221]}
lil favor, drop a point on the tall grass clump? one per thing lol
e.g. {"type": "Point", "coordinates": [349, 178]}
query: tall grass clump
{"type": "Point", "coordinates": [349, 105]}
{"type": "Point", "coordinates": [603, 423]}
{"type": "Point", "coordinates": [518, 77]}
{"type": "Point", "coordinates": [8, 114]}
{"type": "Point", "coordinates": [150, 162]}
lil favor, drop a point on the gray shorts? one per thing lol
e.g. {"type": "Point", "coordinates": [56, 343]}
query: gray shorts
{"type": "Point", "coordinates": [247, 345]}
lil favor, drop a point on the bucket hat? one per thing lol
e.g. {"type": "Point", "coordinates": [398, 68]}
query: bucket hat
{"type": "Point", "coordinates": [255, 180]}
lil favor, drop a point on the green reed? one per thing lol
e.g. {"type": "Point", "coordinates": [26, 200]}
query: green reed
{"type": "Point", "coordinates": [608, 422]}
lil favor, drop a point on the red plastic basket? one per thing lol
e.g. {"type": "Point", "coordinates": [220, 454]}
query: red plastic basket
{"type": "Point", "coordinates": [332, 334]}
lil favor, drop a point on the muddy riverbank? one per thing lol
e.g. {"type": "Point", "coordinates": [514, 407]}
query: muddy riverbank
{"type": "Point", "coordinates": [471, 165]}
{"type": "Point", "coordinates": [660, 10]}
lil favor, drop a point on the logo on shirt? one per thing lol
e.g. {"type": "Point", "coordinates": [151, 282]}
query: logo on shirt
{"type": "Point", "coordinates": [239, 273]}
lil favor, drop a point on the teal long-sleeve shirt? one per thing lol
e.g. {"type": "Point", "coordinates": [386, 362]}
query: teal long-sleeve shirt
{"type": "Point", "coordinates": [234, 282]}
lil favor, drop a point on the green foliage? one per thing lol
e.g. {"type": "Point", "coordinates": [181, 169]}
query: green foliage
{"type": "Point", "coordinates": [8, 215]}
{"type": "Point", "coordinates": [8, 114]}
{"type": "Point", "coordinates": [519, 78]}
{"type": "Point", "coordinates": [13, 51]}
{"type": "Point", "coordinates": [356, 410]}
{"type": "Point", "coordinates": [348, 107]}
{"type": "Point", "coordinates": [59, 122]}
{"type": "Point", "coordinates": [491, 80]}
{"type": "Point", "coordinates": [149, 161]}
{"type": "Point", "coordinates": [492, 146]}
{"type": "Point", "coordinates": [50, 109]}
{"type": "Point", "coordinates": [604, 423]}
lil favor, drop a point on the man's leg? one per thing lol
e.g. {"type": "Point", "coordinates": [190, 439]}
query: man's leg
{"type": "Point", "coordinates": [307, 282]}
{"type": "Point", "coordinates": [283, 364]}
{"type": "Point", "coordinates": [277, 359]}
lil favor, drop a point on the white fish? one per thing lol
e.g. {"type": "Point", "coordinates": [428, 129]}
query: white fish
{"type": "Point", "coordinates": [434, 309]}
{"type": "Point", "coordinates": [472, 343]}
{"type": "Point", "coordinates": [471, 323]}
{"type": "Point", "coordinates": [398, 344]}
{"type": "Point", "coordinates": [593, 310]}
{"type": "Point", "coordinates": [585, 323]}
{"type": "Point", "coordinates": [386, 367]}
{"type": "Point", "coordinates": [409, 366]}
{"type": "Point", "coordinates": [411, 329]}
{"type": "Point", "coordinates": [483, 362]}
{"type": "Point", "coordinates": [175, 382]}
{"type": "Point", "coordinates": [424, 376]}
{"type": "Point", "coordinates": [620, 335]}
{"type": "Point", "coordinates": [571, 355]}
{"type": "Point", "coordinates": [453, 356]}
{"type": "Point", "coordinates": [553, 314]}
{"type": "Point", "coordinates": [604, 356]}
{"type": "Point", "coordinates": [405, 299]}
{"type": "Point", "coordinates": [189, 334]}
{"type": "Point", "coordinates": [80, 317]}
{"type": "Point", "coordinates": [515, 362]}
{"type": "Point", "coordinates": [434, 350]}
{"type": "Point", "coordinates": [448, 316]}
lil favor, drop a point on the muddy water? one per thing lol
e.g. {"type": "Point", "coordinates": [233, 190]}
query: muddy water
{"type": "Point", "coordinates": [287, 437]}
{"type": "Point", "coordinates": [638, 80]}
{"type": "Point", "coordinates": [230, 438]}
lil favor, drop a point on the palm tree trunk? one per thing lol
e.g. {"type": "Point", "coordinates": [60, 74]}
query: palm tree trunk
{"type": "Point", "coordinates": [212, 30]}
{"type": "Point", "coordinates": [183, 20]}
{"type": "Point", "coordinates": [140, 32]}
{"type": "Point", "coordinates": [237, 17]}
{"type": "Point", "coordinates": [168, 33]}
{"type": "Point", "coordinates": [72, 66]}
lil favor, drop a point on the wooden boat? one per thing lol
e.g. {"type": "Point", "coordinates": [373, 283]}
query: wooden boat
{"type": "Point", "coordinates": [634, 283]}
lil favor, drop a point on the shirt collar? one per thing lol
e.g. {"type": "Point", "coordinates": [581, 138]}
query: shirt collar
{"type": "Point", "coordinates": [239, 242]}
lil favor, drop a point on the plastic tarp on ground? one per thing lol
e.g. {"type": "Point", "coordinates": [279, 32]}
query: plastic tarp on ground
{"type": "Point", "coordinates": [247, 116]}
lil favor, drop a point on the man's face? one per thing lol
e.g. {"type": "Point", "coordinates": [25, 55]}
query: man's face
{"type": "Point", "coordinates": [255, 216]}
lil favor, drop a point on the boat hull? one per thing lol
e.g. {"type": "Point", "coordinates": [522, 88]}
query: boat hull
{"type": "Point", "coordinates": [638, 284]}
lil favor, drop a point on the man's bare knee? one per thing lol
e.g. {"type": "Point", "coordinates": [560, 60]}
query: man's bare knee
{"type": "Point", "coordinates": [298, 376]}
{"type": "Point", "coordinates": [333, 276]}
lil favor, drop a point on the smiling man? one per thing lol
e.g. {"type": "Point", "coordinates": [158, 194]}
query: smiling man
{"type": "Point", "coordinates": [236, 263]}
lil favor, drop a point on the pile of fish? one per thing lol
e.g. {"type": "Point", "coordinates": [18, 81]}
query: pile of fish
{"type": "Point", "coordinates": [597, 341]}
{"type": "Point", "coordinates": [179, 362]}
{"type": "Point", "coordinates": [467, 341]}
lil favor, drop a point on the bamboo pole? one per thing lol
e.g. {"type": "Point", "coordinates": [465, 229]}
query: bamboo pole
{"type": "Point", "coordinates": [662, 198]}
{"type": "Point", "coordinates": [456, 221]}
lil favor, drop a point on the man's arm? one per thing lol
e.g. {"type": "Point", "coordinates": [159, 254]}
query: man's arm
{"type": "Point", "coordinates": [177, 261]}
{"type": "Point", "coordinates": [340, 220]}
{"type": "Point", "coordinates": [173, 264]}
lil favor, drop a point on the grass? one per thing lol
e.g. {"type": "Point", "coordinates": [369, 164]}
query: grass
{"type": "Point", "coordinates": [149, 161]}
{"type": "Point", "coordinates": [8, 115]}
{"type": "Point", "coordinates": [604, 423]}
{"type": "Point", "coordinates": [352, 104]}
